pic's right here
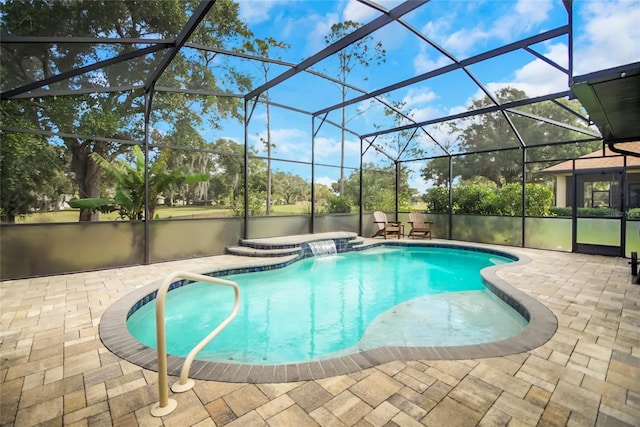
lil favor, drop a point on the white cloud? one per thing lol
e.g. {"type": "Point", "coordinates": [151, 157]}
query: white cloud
{"type": "Point", "coordinates": [522, 17]}
{"type": "Point", "coordinates": [534, 12]}
{"type": "Point", "coordinates": [320, 27]}
{"type": "Point", "coordinates": [328, 149]}
{"type": "Point", "coordinates": [358, 12]}
{"type": "Point", "coordinates": [325, 180]}
{"type": "Point", "coordinates": [425, 113]}
{"type": "Point", "coordinates": [609, 35]}
{"type": "Point", "coordinates": [287, 142]}
{"type": "Point", "coordinates": [418, 96]}
{"type": "Point", "coordinates": [526, 15]}
{"type": "Point", "coordinates": [256, 11]}
{"type": "Point", "coordinates": [423, 63]}
{"type": "Point", "coordinates": [461, 41]}
{"type": "Point", "coordinates": [536, 78]}
{"type": "Point", "coordinates": [539, 78]}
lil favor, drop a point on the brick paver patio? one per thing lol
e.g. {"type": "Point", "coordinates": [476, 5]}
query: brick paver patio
{"type": "Point", "coordinates": [54, 369]}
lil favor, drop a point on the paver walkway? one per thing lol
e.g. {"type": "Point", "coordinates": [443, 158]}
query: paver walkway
{"type": "Point", "coordinates": [54, 369]}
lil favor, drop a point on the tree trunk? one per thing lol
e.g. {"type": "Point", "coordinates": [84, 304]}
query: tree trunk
{"type": "Point", "coordinates": [8, 218]}
{"type": "Point", "coordinates": [87, 176]}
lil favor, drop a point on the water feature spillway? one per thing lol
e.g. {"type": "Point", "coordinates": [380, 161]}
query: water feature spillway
{"type": "Point", "coordinates": [323, 247]}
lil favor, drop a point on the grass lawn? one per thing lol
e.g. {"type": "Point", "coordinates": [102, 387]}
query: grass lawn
{"type": "Point", "coordinates": [71, 215]}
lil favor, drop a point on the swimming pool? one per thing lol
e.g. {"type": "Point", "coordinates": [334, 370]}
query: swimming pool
{"type": "Point", "coordinates": [324, 306]}
{"type": "Point", "coordinates": [542, 324]}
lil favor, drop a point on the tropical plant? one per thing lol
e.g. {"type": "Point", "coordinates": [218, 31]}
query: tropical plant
{"type": "Point", "coordinates": [129, 199]}
{"type": "Point", "coordinates": [338, 204]}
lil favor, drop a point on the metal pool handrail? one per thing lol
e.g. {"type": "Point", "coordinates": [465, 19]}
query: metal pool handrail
{"type": "Point", "coordinates": [165, 406]}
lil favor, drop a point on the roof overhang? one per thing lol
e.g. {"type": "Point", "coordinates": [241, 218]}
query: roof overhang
{"type": "Point", "coordinates": [612, 99]}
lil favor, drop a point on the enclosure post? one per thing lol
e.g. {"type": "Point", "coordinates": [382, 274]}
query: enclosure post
{"type": "Point", "coordinates": [148, 97]}
{"type": "Point", "coordinates": [623, 208]}
{"type": "Point", "coordinates": [312, 225]}
{"type": "Point", "coordinates": [574, 207]}
{"type": "Point", "coordinates": [450, 197]}
{"type": "Point", "coordinates": [569, 6]}
{"type": "Point", "coordinates": [360, 202]}
{"type": "Point", "coordinates": [397, 187]}
{"type": "Point", "coordinates": [245, 171]}
{"type": "Point", "coordinates": [524, 194]}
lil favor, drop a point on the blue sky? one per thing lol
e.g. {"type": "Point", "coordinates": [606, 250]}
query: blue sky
{"type": "Point", "coordinates": [606, 34]}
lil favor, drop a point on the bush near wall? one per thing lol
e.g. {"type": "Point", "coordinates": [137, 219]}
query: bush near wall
{"type": "Point", "coordinates": [633, 213]}
{"type": "Point", "coordinates": [338, 204]}
{"type": "Point", "coordinates": [488, 199]}
{"type": "Point", "coordinates": [593, 212]}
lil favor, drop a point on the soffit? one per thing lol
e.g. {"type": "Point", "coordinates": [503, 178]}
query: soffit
{"type": "Point", "coordinates": [612, 99]}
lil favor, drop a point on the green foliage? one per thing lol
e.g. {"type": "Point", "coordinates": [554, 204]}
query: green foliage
{"type": "Point", "coordinates": [129, 196]}
{"type": "Point", "coordinates": [256, 204]}
{"type": "Point", "coordinates": [482, 134]}
{"type": "Point", "coordinates": [633, 213]}
{"type": "Point", "coordinates": [31, 178]}
{"type": "Point", "coordinates": [338, 204]}
{"type": "Point", "coordinates": [437, 200]}
{"type": "Point", "coordinates": [290, 188]}
{"type": "Point", "coordinates": [539, 199]}
{"type": "Point", "coordinates": [601, 212]}
{"type": "Point", "coordinates": [379, 191]}
{"type": "Point", "coordinates": [561, 211]}
{"type": "Point", "coordinates": [486, 199]}
{"type": "Point", "coordinates": [474, 199]}
{"type": "Point", "coordinates": [118, 115]}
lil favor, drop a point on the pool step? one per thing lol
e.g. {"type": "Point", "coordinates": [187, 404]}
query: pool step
{"type": "Point", "coordinates": [293, 245]}
{"type": "Point", "coordinates": [356, 243]}
{"type": "Point", "coordinates": [258, 252]}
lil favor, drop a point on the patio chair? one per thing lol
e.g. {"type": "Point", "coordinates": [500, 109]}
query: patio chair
{"type": "Point", "coordinates": [385, 227]}
{"type": "Point", "coordinates": [419, 227]}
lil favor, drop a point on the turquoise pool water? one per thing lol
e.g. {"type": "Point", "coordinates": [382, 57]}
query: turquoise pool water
{"type": "Point", "coordinates": [332, 305]}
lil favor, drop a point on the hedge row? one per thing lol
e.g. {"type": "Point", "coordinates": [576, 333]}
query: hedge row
{"type": "Point", "coordinates": [485, 199]}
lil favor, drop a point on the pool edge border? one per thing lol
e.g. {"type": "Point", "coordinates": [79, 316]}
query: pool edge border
{"type": "Point", "coordinates": [541, 327]}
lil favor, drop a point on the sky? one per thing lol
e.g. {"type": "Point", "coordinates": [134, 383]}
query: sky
{"type": "Point", "coordinates": [606, 34]}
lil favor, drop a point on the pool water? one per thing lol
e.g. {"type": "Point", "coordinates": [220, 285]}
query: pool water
{"type": "Point", "coordinates": [332, 305]}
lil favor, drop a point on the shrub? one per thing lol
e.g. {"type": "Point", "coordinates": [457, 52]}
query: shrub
{"type": "Point", "coordinates": [561, 211]}
{"type": "Point", "coordinates": [598, 212]}
{"type": "Point", "coordinates": [633, 213]}
{"type": "Point", "coordinates": [338, 204]}
{"type": "Point", "coordinates": [474, 199]}
{"type": "Point", "coordinates": [487, 199]}
{"type": "Point", "coordinates": [593, 212]}
{"type": "Point", "coordinates": [437, 200]}
{"type": "Point", "coordinates": [256, 208]}
{"type": "Point", "coordinates": [539, 199]}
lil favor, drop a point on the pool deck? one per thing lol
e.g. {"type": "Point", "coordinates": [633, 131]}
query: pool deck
{"type": "Point", "coordinates": [55, 370]}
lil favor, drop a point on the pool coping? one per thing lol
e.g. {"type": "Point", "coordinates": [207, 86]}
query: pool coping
{"type": "Point", "coordinates": [541, 327]}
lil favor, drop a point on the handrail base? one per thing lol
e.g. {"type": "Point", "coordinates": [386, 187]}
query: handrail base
{"type": "Point", "coordinates": [180, 388]}
{"type": "Point", "coordinates": [158, 411]}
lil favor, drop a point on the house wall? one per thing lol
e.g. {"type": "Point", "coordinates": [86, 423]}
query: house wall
{"type": "Point", "coordinates": [561, 191]}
